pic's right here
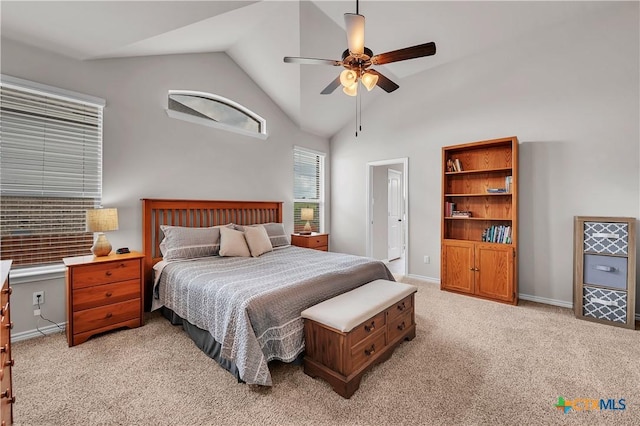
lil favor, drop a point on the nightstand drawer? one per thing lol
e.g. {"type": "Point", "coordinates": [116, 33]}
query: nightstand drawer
{"type": "Point", "coordinates": [318, 241]}
{"type": "Point", "coordinates": [91, 319]}
{"type": "Point", "coordinates": [106, 294]}
{"type": "Point", "coordinates": [107, 272]}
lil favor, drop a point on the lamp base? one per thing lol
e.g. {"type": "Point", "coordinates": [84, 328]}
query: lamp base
{"type": "Point", "coordinates": [102, 246]}
{"type": "Point", "coordinates": [306, 230]}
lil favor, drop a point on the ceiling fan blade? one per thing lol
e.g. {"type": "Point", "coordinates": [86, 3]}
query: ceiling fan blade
{"type": "Point", "coordinates": [383, 82]}
{"type": "Point", "coordinates": [426, 49]}
{"type": "Point", "coordinates": [354, 24]}
{"type": "Point", "coordinates": [331, 87]}
{"type": "Point", "coordinates": [311, 61]}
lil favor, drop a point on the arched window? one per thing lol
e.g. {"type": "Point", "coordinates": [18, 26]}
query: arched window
{"type": "Point", "coordinates": [215, 111]}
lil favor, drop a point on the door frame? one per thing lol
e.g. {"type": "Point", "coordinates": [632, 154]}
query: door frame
{"type": "Point", "coordinates": [391, 172]}
{"type": "Point", "coordinates": [405, 197]}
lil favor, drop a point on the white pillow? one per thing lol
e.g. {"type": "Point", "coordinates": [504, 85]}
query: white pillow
{"type": "Point", "coordinates": [257, 240]}
{"type": "Point", "coordinates": [233, 243]}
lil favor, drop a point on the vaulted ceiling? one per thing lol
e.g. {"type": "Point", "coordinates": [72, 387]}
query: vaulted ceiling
{"type": "Point", "coordinates": [258, 34]}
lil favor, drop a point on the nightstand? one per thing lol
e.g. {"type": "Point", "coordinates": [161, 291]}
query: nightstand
{"type": "Point", "coordinates": [103, 293]}
{"type": "Point", "coordinates": [314, 241]}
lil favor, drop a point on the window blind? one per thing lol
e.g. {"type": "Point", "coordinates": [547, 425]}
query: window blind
{"type": "Point", "coordinates": [50, 174]}
{"type": "Point", "coordinates": [308, 172]}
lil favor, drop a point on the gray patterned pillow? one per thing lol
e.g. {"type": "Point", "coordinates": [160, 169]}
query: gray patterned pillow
{"type": "Point", "coordinates": [275, 231]}
{"type": "Point", "coordinates": [181, 242]}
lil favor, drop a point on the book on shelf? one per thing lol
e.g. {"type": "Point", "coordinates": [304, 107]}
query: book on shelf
{"type": "Point", "coordinates": [497, 234]}
{"type": "Point", "coordinates": [461, 213]}
{"type": "Point", "coordinates": [449, 207]}
{"type": "Point", "coordinates": [507, 183]}
{"type": "Point", "coordinates": [458, 165]}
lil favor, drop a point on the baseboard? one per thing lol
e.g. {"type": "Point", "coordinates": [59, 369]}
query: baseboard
{"type": "Point", "coordinates": [423, 278]}
{"type": "Point", "coordinates": [546, 301]}
{"type": "Point", "coordinates": [30, 334]}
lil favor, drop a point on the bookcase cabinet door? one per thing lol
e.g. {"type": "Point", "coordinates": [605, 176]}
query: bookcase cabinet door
{"type": "Point", "coordinates": [458, 267]}
{"type": "Point", "coordinates": [494, 275]}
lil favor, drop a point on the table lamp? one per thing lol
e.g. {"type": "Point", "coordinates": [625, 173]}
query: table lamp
{"type": "Point", "coordinates": [306, 214]}
{"type": "Point", "coordinates": [100, 221]}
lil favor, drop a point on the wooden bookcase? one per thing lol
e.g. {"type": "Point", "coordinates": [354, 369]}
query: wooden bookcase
{"type": "Point", "coordinates": [468, 264]}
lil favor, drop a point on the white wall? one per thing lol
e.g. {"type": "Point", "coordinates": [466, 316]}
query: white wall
{"type": "Point", "coordinates": [570, 94]}
{"type": "Point", "coordinates": [149, 155]}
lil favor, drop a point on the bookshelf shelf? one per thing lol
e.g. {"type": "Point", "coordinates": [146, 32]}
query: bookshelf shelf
{"type": "Point", "coordinates": [470, 265]}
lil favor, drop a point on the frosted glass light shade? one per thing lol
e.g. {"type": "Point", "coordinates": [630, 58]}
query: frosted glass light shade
{"type": "Point", "coordinates": [348, 77]}
{"type": "Point", "coordinates": [369, 80]}
{"type": "Point", "coordinates": [351, 90]}
{"type": "Point", "coordinates": [355, 33]}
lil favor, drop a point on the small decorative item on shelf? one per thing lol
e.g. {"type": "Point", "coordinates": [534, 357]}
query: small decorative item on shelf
{"type": "Point", "coordinates": [461, 213]}
{"type": "Point", "coordinates": [450, 166]}
{"type": "Point", "coordinates": [458, 165]}
{"type": "Point", "coordinates": [507, 183]}
{"type": "Point", "coordinates": [497, 190]}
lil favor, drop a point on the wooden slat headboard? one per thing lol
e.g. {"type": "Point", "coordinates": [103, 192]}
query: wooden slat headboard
{"type": "Point", "coordinates": [195, 213]}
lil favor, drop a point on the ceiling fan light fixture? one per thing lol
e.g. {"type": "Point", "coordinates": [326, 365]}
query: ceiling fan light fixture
{"type": "Point", "coordinates": [354, 24]}
{"type": "Point", "coordinates": [369, 80]}
{"type": "Point", "coordinates": [348, 78]}
{"type": "Point", "coordinates": [351, 90]}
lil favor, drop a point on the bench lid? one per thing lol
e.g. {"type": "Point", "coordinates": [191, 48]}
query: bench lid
{"type": "Point", "coordinates": [354, 307]}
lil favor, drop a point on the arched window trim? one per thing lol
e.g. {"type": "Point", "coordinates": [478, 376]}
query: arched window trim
{"type": "Point", "coordinates": [217, 98]}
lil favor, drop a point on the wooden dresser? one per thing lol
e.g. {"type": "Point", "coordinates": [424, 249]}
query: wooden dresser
{"type": "Point", "coordinates": [103, 293]}
{"type": "Point", "coordinates": [7, 399]}
{"type": "Point", "coordinates": [314, 241]}
{"type": "Point", "coordinates": [341, 354]}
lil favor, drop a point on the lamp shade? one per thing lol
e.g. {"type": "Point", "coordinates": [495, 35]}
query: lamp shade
{"type": "Point", "coordinates": [369, 80]}
{"type": "Point", "coordinates": [355, 33]}
{"type": "Point", "coordinates": [351, 90]}
{"type": "Point", "coordinates": [306, 214]}
{"type": "Point", "coordinates": [102, 220]}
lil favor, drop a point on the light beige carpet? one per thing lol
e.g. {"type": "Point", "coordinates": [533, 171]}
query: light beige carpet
{"type": "Point", "coordinates": [472, 362]}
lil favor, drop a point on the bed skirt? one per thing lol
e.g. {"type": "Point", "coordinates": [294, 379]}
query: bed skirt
{"type": "Point", "coordinates": [207, 344]}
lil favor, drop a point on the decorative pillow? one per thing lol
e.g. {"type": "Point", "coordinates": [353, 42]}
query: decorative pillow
{"type": "Point", "coordinates": [275, 231]}
{"type": "Point", "coordinates": [181, 242]}
{"type": "Point", "coordinates": [233, 243]}
{"type": "Point", "coordinates": [257, 240]}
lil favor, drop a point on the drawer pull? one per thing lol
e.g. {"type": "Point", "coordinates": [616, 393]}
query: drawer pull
{"type": "Point", "coordinates": [605, 235]}
{"type": "Point", "coordinates": [109, 315]}
{"type": "Point", "coordinates": [6, 393]}
{"type": "Point", "coordinates": [401, 326]}
{"type": "Point", "coordinates": [9, 363]}
{"type": "Point", "coordinates": [108, 273]}
{"type": "Point", "coordinates": [401, 306]}
{"type": "Point", "coordinates": [603, 302]}
{"type": "Point", "coordinates": [371, 350]}
{"type": "Point", "coordinates": [108, 294]}
{"type": "Point", "coordinates": [1, 312]}
{"type": "Point", "coordinates": [7, 290]}
{"type": "Point", "coordinates": [368, 328]}
{"type": "Point", "coordinates": [9, 326]}
{"type": "Point", "coordinates": [4, 348]}
{"type": "Point", "coordinates": [604, 268]}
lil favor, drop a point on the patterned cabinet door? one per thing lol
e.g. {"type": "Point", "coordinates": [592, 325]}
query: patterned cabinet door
{"type": "Point", "coordinates": [603, 237]}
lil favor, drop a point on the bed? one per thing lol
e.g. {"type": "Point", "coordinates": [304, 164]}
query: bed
{"type": "Point", "coordinates": [243, 311]}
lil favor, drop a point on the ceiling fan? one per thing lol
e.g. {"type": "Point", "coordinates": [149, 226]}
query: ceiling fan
{"type": "Point", "coordinates": [358, 59]}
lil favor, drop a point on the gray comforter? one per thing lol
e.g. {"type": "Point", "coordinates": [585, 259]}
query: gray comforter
{"type": "Point", "coordinates": [251, 306]}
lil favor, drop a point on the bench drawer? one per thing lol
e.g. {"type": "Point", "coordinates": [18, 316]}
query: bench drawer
{"type": "Point", "coordinates": [365, 350]}
{"type": "Point", "coordinates": [367, 328]}
{"type": "Point", "coordinates": [399, 325]}
{"type": "Point", "coordinates": [403, 306]}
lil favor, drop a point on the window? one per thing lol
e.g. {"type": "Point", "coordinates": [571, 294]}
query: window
{"type": "Point", "coordinates": [50, 171]}
{"type": "Point", "coordinates": [308, 188]}
{"type": "Point", "coordinates": [215, 111]}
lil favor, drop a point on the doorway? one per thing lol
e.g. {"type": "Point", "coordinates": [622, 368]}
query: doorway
{"type": "Point", "coordinates": [387, 213]}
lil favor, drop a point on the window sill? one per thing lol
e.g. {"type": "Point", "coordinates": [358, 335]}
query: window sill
{"type": "Point", "coordinates": [37, 273]}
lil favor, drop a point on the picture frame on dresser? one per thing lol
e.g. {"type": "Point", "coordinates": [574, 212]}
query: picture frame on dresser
{"type": "Point", "coordinates": [605, 270]}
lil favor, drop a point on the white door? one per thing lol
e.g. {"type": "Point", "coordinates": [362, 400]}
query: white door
{"type": "Point", "coordinates": [394, 207]}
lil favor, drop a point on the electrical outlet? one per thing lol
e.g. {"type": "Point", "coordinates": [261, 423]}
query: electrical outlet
{"type": "Point", "coordinates": [427, 259]}
{"type": "Point", "coordinates": [36, 312]}
{"type": "Point", "coordinates": [35, 298]}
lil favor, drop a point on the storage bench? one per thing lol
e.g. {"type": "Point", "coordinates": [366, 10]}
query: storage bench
{"type": "Point", "coordinates": [348, 334]}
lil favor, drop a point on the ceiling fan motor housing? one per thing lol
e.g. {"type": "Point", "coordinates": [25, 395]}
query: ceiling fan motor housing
{"type": "Point", "coordinates": [357, 62]}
